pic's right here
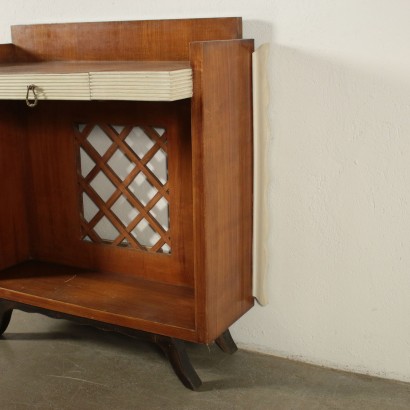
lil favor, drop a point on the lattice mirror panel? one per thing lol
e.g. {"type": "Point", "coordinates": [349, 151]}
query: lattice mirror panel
{"type": "Point", "coordinates": [123, 180]}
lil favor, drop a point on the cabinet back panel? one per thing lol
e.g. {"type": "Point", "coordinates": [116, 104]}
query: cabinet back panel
{"type": "Point", "coordinates": [86, 209]}
{"type": "Point", "coordinates": [13, 218]}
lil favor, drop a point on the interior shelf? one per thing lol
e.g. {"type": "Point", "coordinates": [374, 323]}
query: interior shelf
{"type": "Point", "coordinates": [98, 80]}
{"type": "Point", "coordinates": [118, 299]}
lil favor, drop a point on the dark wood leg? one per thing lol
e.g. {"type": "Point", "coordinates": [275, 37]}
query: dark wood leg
{"type": "Point", "coordinates": [176, 353]}
{"type": "Point", "coordinates": [5, 316]}
{"type": "Point", "coordinates": [174, 349]}
{"type": "Point", "coordinates": [226, 343]}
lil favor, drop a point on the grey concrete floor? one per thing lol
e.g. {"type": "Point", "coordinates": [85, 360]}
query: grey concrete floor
{"type": "Point", "coordinates": [54, 364]}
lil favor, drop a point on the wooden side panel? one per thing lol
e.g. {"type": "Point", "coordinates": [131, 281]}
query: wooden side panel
{"type": "Point", "coordinates": [132, 40]}
{"type": "Point", "coordinates": [13, 221]}
{"type": "Point", "coordinates": [222, 181]}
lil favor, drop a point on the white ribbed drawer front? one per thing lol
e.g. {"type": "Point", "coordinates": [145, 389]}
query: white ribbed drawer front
{"type": "Point", "coordinates": [132, 81]}
{"type": "Point", "coordinates": [75, 86]}
{"type": "Point", "coordinates": [141, 85]}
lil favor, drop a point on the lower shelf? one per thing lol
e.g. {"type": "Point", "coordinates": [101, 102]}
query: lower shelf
{"type": "Point", "coordinates": [173, 348]}
{"type": "Point", "coordinates": [117, 299]}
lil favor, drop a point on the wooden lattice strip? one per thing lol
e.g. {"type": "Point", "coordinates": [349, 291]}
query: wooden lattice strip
{"type": "Point", "coordinates": [155, 225]}
{"type": "Point", "coordinates": [162, 188]}
{"type": "Point", "coordinates": [133, 157]}
{"type": "Point", "coordinates": [116, 181]}
{"type": "Point", "coordinates": [150, 154]}
{"type": "Point", "coordinates": [111, 216]}
{"type": "Point", "coordinates": [131, 176]}
{"type": "Point", "coordinates": [107, 155]}
{"type": "Point", "coordinates": [86, 131]}
{"type": "Point", "coordinates": [101, 165]}
{"type": "Point", "coordinates": [134, 223]}
{"type": "Point", "coordinates": [110, 202]}
{"type": "Point", "coordinates": [88, 231]}
{"type": "Point", "coordinates": [157, 246]}
{"type": "Point", "coordinates": [164, 233]}
{"type": "Point", "coordinates": [96, 169]}
{"type": "Point", "coordinates": [80, 137]}
{"type": "Point", "coordinates": [131, 226]}
{"type": "Point", "coordinates": [118, 193]}
{"type": "Point", "coordinates": [151, 177]}
{"type": "Point", "coordinates": [161, 140]}
{"type": "Point", "coordinates": [104, 210]}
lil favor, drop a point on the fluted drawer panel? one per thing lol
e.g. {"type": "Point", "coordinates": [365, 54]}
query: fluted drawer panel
{"type": "Point", "coordinates": [127, 80]}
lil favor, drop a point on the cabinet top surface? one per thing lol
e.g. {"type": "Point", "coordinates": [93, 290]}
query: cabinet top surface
{"type": "Point", "coordinates": [68, 67]}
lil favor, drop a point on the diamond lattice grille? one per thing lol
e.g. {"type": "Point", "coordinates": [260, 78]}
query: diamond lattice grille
{"type": "Point", "coordinates": [123, 179]}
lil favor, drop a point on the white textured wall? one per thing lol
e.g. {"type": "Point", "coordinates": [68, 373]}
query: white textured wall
{"type": "Point", "coordinates": [339, 261]}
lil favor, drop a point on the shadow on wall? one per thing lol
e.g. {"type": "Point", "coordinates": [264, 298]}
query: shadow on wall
{"type": "Point", "coordinates": [261, 31]}
{"type": "Point", "coordinates": [340, 153]}
{"type": "Point", "coordinates": [339, 205]}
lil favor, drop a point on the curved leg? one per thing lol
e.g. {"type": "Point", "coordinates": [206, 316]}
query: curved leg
{"type": "Point", "coordinates": [5, 316]}
{"type": "Point", "coordinates": [176, 353]}
{"type": "Point", "coordinates": [174, 349]}
{"type": "Point", "coordinates": [226, 343]}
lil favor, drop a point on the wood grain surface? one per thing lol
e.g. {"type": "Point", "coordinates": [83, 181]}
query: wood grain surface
{"type": "Point", "coordinates": [116, 299]}
{"type": "Point", "coordinates": [125, 40]}
{"type": "Point", "coordinates": [205, 284]}
{"type": "Point", "coordinates": [222, 182]}
{"type": "Point", "coordinates": [14, 244]}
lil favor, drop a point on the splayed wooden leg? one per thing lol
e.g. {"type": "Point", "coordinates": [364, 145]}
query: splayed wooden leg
{"type": "Point", "coordinates": [174, 349]}
{"type": "Point", "coordinates": [5, 316]}
{"type": "Point", "coordinates": [226, 343]}
{"type": "Point", "coordinates": [176, 353]}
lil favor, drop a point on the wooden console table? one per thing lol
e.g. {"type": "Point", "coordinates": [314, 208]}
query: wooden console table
{"type": "Point", "coordinates": [126, 185]}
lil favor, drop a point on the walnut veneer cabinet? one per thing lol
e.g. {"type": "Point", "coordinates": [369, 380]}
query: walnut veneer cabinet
{"type": "Point", "coordinates": [163, 253]}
